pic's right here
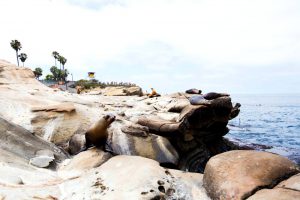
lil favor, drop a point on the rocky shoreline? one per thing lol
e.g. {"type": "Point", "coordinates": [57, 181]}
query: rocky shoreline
{"type": "Point", "coordinates": [157, 148]}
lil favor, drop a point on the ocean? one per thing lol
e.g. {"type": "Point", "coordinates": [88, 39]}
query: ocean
{"type": "Point", "coordinates": [271, 120]}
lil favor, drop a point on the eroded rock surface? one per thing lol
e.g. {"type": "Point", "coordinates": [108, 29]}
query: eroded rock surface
{"type": "Point", "coordinates": [238, 174]}
{"type": "Point", "coordinates": [121, 177]}
{"type": "Point", "coordinates": [24, 144]}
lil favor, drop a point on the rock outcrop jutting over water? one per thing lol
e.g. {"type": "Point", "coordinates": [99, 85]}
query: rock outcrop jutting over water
{"type": "Point", "coordinates": [148, 137]}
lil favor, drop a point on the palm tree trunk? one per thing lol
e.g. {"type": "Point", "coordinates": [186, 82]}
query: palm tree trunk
{"type": "Point", "coordinates": [17, 58]}
{"type": "Point", "coordinates": [55, 61]}
{"type": "Point", "coordinates": [23, 64]}
{"type": "Point", "coordinates": [60, 78]}
{"type": "Point", "coordinates": [65, 78]}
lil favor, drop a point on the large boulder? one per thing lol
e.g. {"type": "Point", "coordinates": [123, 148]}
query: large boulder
{"type": "Point", "coordinates": [130, 91]}
{"type": "Point", "coordinates": [238, 174]}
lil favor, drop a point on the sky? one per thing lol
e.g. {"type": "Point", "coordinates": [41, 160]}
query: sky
{"type": "Point", "coordinates": [234, 46]}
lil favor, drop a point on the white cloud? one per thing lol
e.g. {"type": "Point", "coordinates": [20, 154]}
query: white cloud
{"type": "Point", "coordinates": [236, 45]}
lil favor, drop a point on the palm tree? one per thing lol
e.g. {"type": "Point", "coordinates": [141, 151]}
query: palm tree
{"type": "Point", "coordinates": [16, 45]}
{"type": "Point", "coordinates": [56, 55]}
{"type": "Point", "coordinates": [62, 60]}
{"type": "Point", "coordinates": [38, 72]}
{"type": "Point", "coordinates": [23, 57]}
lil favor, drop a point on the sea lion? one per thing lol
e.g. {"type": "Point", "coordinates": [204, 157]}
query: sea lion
{"type": "Point", "coordinates": [97, 134]}
{"type": "Point", "coordinates": [153, 93]}
{"type": "Point", "coordinates": [79, 89]}
{"type": "Point", "coordinates": [198, 100]}
{"type": "Point", "coordinates": [193, 91]}
{"type": "Point", "coordinates": [214, 95]}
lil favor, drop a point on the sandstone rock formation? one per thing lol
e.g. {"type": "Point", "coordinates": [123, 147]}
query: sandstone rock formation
{"type": "Point", "coordinates": [121, 177]}
{"type": "Point", "coordinates": [152, 135]}
{"type": "Point", "coordinates": [21, 143]}
{"type": "Point", "coordinates": [239, 174]}
{"type": "Point", "coordinates": [186, 137]}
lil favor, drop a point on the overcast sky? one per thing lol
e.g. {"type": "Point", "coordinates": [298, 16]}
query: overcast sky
{"type": "Point", "coordinates": [235, 46]}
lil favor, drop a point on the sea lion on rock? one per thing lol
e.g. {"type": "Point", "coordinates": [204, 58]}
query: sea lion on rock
{"type": "Point", "coordinates": [153, 93]}
{"type": "Point", "coordinates": [214, 95]}
{"type": "Point", "coordinates": [97, 134]}
{"type": "Point", "coordinates": [198, 100]}
{"type": "Point", "coordinates": [193, 91]}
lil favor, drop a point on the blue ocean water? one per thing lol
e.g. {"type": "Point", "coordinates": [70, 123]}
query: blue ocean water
{"type": "Point", "coordinates": [272, 120]}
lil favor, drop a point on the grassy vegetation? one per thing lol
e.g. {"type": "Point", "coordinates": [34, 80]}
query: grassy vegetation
{"type": "Point", "coordinates": [89, 84]}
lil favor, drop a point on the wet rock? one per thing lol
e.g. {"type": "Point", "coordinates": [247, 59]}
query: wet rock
{"type": "Point", "coordinates": [238, 174]}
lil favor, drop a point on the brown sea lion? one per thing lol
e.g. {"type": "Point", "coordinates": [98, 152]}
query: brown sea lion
{"type": "Point", "coordinates": [153, 93]}
{"type": "Point", "coordinates": [79, 89]}
{"type": "Point", "coordinates": [97, 134]}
